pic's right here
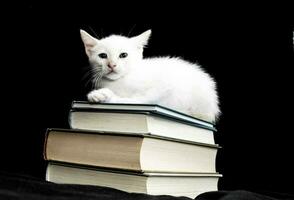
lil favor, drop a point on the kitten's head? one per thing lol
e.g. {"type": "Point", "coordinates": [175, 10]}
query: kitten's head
{"type": "Point", "coordinates": [114, 55]}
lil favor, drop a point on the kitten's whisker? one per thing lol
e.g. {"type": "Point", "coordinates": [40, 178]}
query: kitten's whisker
{"type": "Point", "coordinates": [94, 32]}
{"type": "Point", "coordinates": [87, 74]}
{"type": "Point", "coordinates": [87, 83]}
{"type": "Point", "coordinates": [131, 30]}
{"type": "Point", "coordinates": [96, 79]}
{"type": "Point", "coordinates": [101, 33]}
{"type": "Point", "coordinates": [94, 74]}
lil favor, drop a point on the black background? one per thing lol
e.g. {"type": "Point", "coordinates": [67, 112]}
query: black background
{"type": "Point", "coordinates": [249, 53]}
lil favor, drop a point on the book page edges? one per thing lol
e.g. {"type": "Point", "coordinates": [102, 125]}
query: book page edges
{"type": "Point", "coordinates": [132, 134]}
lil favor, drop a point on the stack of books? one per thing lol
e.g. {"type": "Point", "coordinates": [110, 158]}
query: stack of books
{"type": "Point", "coordinates": [135, 148]}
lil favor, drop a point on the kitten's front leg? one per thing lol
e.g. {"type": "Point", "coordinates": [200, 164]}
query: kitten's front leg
{"type": "Point", "coordinates": [105, 95]}
{"type": "Point", "coordinates": [101, 95]}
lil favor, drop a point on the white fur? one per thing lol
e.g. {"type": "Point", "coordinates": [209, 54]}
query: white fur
{"type": "Point", "coordinates": [170, 82]}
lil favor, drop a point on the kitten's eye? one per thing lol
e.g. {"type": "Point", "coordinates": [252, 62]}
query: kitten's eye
{"type": "Point", "coordinates": [102, 55]}
{"type": "Point", "coordinates": [123, 55]}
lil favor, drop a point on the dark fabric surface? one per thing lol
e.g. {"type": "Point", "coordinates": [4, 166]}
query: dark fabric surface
{"type": "Point", "coordinates": [243, 195]}
{"type": "Point", "coordinates": [14, 186]}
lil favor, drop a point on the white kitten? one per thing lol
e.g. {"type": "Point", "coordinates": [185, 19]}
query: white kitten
{"type": "Point", "coordinates": [121, 75]}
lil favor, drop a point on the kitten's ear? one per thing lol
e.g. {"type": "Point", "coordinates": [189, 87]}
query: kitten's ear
{"type": "Point", "coordinates": [88, 40]}
{"type": "Point", "coordinates": [142, 39]}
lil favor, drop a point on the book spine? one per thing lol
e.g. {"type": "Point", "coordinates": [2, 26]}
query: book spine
{"type": "Point", "coordinates": [69, 119]}
{"type": "Point", "coordinates": [45, 144]}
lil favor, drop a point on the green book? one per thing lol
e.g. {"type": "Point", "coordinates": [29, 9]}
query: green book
{"type": "Point", "coordinates": [154, 108]}
{"type": "Point", "coordinates": [140, 118]}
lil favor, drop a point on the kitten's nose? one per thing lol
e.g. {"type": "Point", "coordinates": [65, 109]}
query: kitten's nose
{"type": "Point", "coordinates": [111, 65]}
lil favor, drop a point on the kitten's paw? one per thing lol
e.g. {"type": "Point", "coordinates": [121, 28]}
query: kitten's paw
{"type": "Point", "coordinates": [101, 95]}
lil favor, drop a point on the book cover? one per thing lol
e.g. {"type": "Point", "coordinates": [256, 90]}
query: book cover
{"type": "Point", "coordinates": [138, 121]}
{"type": "Point", "coordinates": [152, 108]}
{"type": "Point", "coordinates": [176, 184]}
{"type": "Point", "coordinates": [137, 152]}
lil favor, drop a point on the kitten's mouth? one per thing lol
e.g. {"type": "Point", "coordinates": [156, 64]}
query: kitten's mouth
{"type": "Point", "coordinates": [111, 71]}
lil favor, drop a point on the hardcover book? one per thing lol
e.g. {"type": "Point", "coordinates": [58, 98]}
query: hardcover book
{"type": "Point", "coordinates": [153, 108]}
{"type": "Point", "coordinates": [140, 118]}
{"type": "Point", "coordinates": [183, 184]}
{"type": "Point", "coordinates": [136, 151]}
